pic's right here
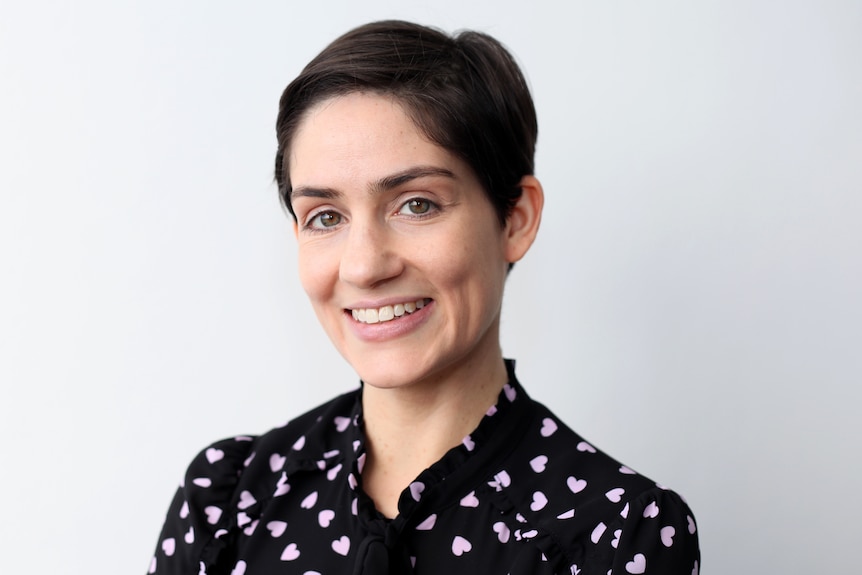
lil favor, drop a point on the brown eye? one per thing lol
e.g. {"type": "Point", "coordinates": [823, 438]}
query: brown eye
{"type": "Point", "coordinates": [417, 207]}
{"type": "Point", "coordinates": [325, 220]}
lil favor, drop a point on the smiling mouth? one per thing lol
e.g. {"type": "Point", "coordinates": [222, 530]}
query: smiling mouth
{"type": "Point", "coordinates": [388, 312]}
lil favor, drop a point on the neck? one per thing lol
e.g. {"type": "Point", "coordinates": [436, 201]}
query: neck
{"type": "Point", "coordinates": [409, 428]}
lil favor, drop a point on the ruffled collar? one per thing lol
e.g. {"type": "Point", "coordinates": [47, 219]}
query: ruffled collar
{"type": "Point", "coordinates": [462, 469]}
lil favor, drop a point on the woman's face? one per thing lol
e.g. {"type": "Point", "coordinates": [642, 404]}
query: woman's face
{"type": "Point", "coordinates": [400, 251]}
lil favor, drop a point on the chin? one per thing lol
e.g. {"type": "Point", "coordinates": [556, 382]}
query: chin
{"type": "Point", "coordinates": [399, 369]}
{"type": "Point", "coordinates": [386, 378]}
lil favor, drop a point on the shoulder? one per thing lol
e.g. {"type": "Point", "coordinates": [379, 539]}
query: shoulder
{"type": "Point", "coordinates": [227, 482]}
{"type": "Point", "coordinates": [245, 461]}
{"type": "Point", "coordinates": [312, 434]}
{"type": "Point", "coordinates": [552, 455]}
{"type": "Point", "coordinates": [196, 518]}
{"type": "Point", "coordinates": [213, 473]}
{"type": "Point", "coordinates": [656, 534]}
{"type": "Point", "coordinates": [260, 463]}
{"type": "Point", "coordinates": [593, 510]}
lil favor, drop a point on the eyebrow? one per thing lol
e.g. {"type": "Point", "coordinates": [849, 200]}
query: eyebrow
{"type": "Point", "coordinates": [384, 184]}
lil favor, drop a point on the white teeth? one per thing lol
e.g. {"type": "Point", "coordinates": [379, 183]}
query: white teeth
{"type": "Point", "coordinates": [387, 312]}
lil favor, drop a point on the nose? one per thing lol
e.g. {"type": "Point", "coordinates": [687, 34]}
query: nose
{"type": "Point", "coordinates": [370, 256]}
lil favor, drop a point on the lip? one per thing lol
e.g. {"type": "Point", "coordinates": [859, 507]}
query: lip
{"type": "Point", "coordinates": [376, 332]}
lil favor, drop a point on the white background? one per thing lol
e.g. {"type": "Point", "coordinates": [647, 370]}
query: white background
{"type": "Point", "coordinates": [692, 305]}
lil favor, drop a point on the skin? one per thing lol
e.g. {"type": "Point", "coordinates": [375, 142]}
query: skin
{"type": "Point", "coordinates": [385, 216]}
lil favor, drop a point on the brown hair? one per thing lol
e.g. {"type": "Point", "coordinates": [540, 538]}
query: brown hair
{"type": "Point", "coordinates": [464, 92]}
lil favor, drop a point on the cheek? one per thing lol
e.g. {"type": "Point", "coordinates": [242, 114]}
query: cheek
{"type": "Point", "coordinates": [313, 273]}
{"type": "Point", "coordinates": [450, 265]}
{"type": "Point", "coordinates": [472, 265]}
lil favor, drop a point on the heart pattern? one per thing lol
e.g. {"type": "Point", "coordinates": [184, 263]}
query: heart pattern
{"type": "Point", "coordinates": [246, 500]}
{"type": "Point", "coordinates": [501, 480]}
{"type": "Point", "coordinates": [576, 485]}
{"type": "Point", "coordinates": [549, 427]}
{"type": "Point", "coordinates": [651, 511]}
{"type": "Point", "coordinates": [539, 463]}
{"type": "Point", "coordinates": [539, 501]}
{"type": "Point", "coordinates": [615, 495]}
{"type": "Point", "coordinates": [428, 524]}
{"type": "Point", "coordinates": [341, 545]}
{"type": "Point", "coordinates": [309, 501]}
{"type": "Point", "coordinates": [276, 528]}
{"type": "Point", "coordinates": [325, 517]}
{"type": "Point", "coordinates": [503, 532]}
{"type": "Point", "coordinates": [213, 514]}
{"type": "Point", "coordinates": [416, 489]}
{"type": "Point", "coordinates": [625, 512]}
{"type": "Point", "coordinates": [276, 462]}
{"type": "Point", "coordinates": [470, 500]}
{"type": "Point", "coordinates": [169, 545]}
{"type": "Point", "coordinates": [598, 532]}
{"type": "Point", "coordinates": [666, 534]}
{"type": "Point", "coordinates": [282, 487]}
{"type": "Point", "coordinates": [214, 454]}
{"type": "Point", "coordinates": [511, 392]}
{"type": "Point", "coordinates": [333, 473]}
{"type": "Point", "coordinates": [585, 447]}
{"type": "Point", "coordinates": [461, 546]}
{"type": "Point", "coordinates": [637, 565]}
{"type": "Point", "coordinates": [290, 553]}
{"type": "Point", "coordinates": [552, 484]}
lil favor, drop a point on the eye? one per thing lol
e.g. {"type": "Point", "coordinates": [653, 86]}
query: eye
{"type": "Point", "coordinates": [417, 207]}
{"type": "Point", "coordinates": [324, 220]}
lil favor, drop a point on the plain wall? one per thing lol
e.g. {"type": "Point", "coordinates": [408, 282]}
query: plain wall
{"type": "Point", "coordinates": [692, 304]}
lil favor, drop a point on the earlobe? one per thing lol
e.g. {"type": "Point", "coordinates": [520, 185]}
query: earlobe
{"type": "Point", "coordinates": [523, 223]}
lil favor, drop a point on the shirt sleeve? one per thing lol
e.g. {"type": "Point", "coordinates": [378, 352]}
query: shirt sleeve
{"type": "Point", "coordinates": [200, 517]}
{"type": "Point", "coordinates": [658, 536]}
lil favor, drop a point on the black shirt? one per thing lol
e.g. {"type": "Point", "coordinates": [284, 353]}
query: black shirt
{"type": "Point", "coordinates": [522, 495]}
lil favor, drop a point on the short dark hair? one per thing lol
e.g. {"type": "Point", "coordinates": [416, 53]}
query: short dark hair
{"type": "Point", "coordinates": [464, 92]}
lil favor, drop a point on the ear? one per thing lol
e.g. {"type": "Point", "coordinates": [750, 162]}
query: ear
{"type": "Point", "coordinates": [523, 223]}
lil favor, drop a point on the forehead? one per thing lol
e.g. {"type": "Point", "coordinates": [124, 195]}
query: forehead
{"type": "Point", "coordinates": [359, 133]}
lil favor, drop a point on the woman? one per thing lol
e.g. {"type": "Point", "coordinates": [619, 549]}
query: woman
{"type": "Point", "coordinates": [406, 158]}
